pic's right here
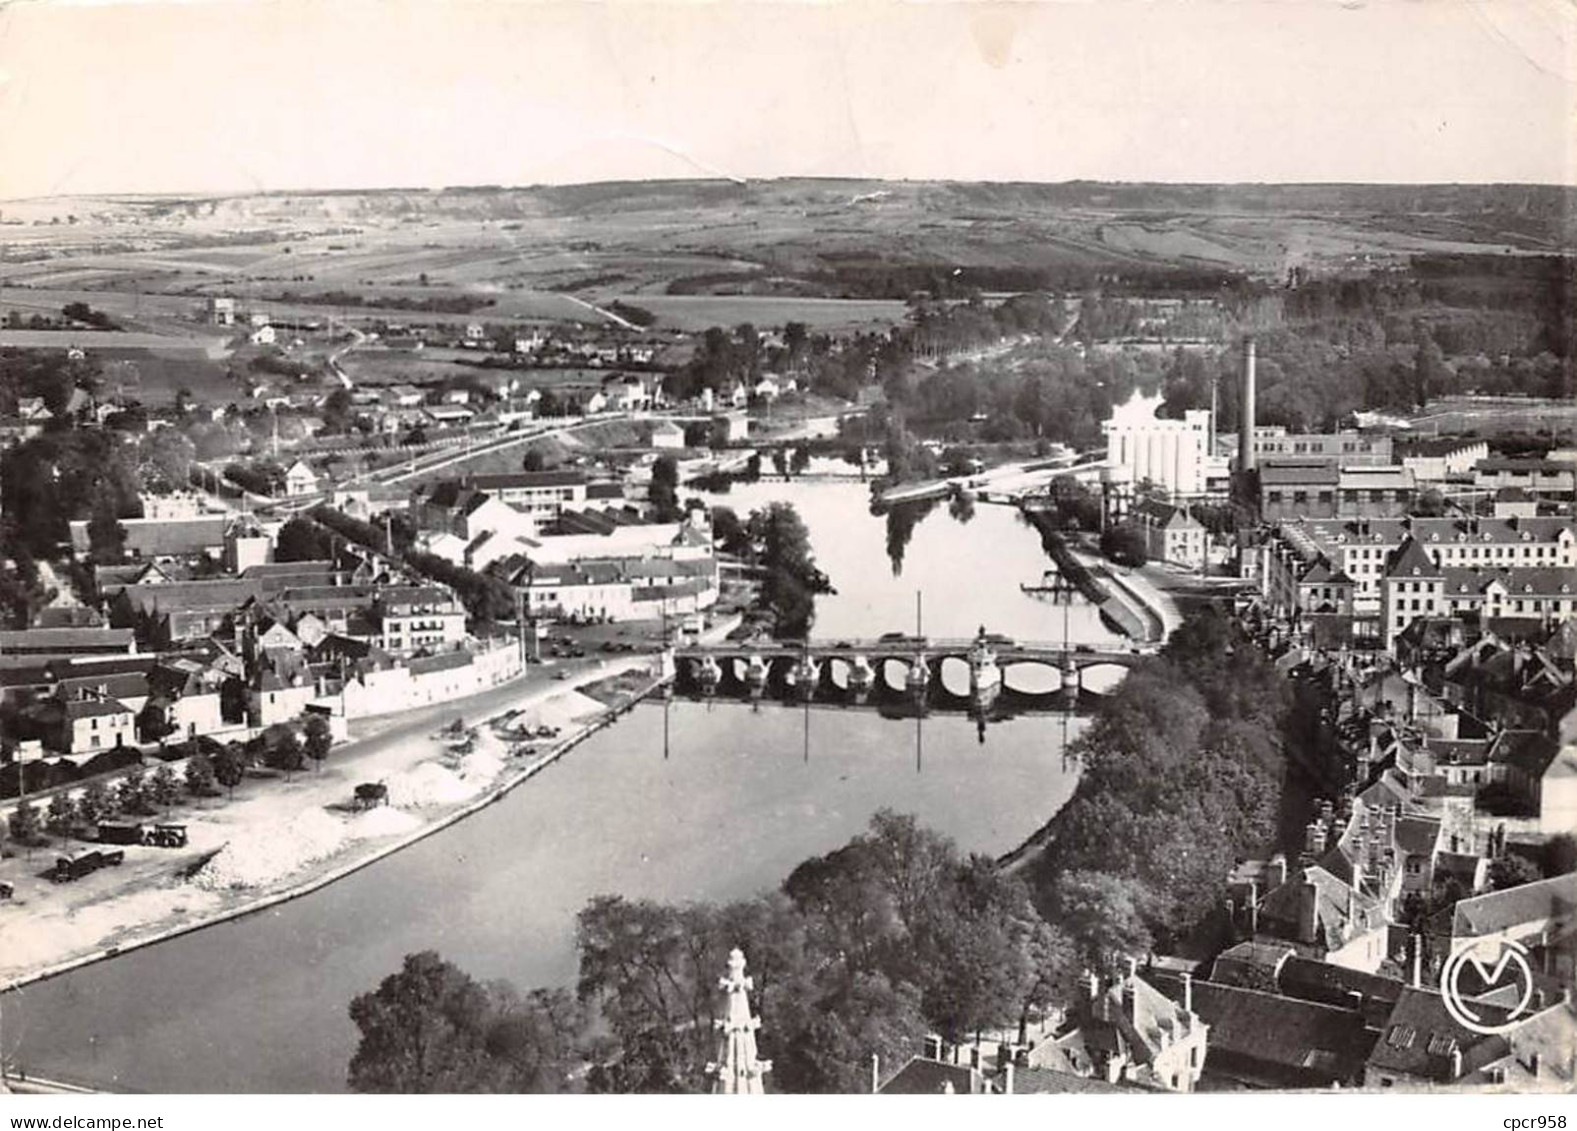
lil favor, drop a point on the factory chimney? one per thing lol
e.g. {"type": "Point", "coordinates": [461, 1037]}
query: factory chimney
{"type": "Point", "coordinates": [1246, 422]}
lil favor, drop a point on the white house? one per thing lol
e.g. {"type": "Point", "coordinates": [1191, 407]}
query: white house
{"type": "Point", "coordinates": [300, 480]}
{"type": "Point", "coordinates": [263, 336]}
{"type": "Point", "coordinates": [668, 436]}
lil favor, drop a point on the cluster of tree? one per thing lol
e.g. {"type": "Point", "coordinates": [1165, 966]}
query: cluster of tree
{"type": "Point", "coordinates": [663, 493]}
{"type": "Point", "coordinates": [1124, 543]}
{"type": "Point", "coordinates": [431, 304]}
{"type": "Point", "coordinates": [262, 477]}
{"type": "Point", "coordinates": [1182, 773]}
{"type": "Point", "coordinates": [52, 479]}
{"type": "Point", "coordinates": [639, 315]}
{"type": "Point", "coordinates": [302, 540]}
{"type": "Point", "coordinates": [774, 540]}
{"type": "Point", "coordinates": [862, 952]}
{"type": "Point", "coordinates": [84, 314]}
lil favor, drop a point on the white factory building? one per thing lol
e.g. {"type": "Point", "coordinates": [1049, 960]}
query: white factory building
{"type": "Point", "coordinates": [1171, 454]}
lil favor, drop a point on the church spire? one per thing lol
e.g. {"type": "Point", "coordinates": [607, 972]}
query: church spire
{"type": "Point", "coordinates": [737, 1070]}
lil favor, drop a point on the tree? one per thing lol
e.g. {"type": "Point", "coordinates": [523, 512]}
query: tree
{"type": "Point", "coordinates": [1105, 916]}
{"type": "Point", "coordinates": [1124, 544]}
{"type": "Point", "coordinates": [1511, 871]}
{"type": "Point", "coordinates": [62, 814]}
{"type": "Point", "coordinates": [93, 804]}
{"type": "Point", "coordinates": [318, 738]}
{"type": "Point", "coordinates": [25, 827]}
{"type": "Point", "coordinates": [1430, 503]}
{"type": "Point", "coordinates": [165, 461]}
{"type": "Point", "coordinates": [302, 540]}
{"type": "Point", "coordinates": [106, 535]}
{"type": "Point", "coordinates": [1560, 855]}
{"type": "Point", "coordinates": [200, 776]}
{"type": "Point", "coordinates": [132, 797]}
{"type": "Point", "coordinates": [286, 753]}
{"type": "Point", "coordinates": [153, 722]}
{"type": "Point", "coordinates": [163, 789]}
{"type": "Point", "coordinates": [230, 766]}
{"type": "Point", "coordinates": [422, 1030]}
{"type": "Point", "coordinates": [432, 1028]}
{"type": "Point", "coordinates": [790, 578]}
{"type": "Point", "coordinates": [664, 491]}
{"type": "Point", "coordinates": [534, 460]}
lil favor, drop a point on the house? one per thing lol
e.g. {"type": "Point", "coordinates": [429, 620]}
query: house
{"type": "Point", "coordinates": [767, 389]}
{"type": "Point", "coordinates": [263, 336]}
{"type": "Point", "coordinates": [221, 310]}
{"type": "Point", "coordinates": [1539, 477]}
{"type": "Point", "coordinates": [619, 588]}
{"type": "Point", "coordinates": [49, 642]}
{"type": "Point", "coordinates": [163, 539]}
{"type": "Point", "coordinates": [1327, 917]}
{"type": "Point", "coordinates": [475, 332]}
{"type": "Point", "coordinates": [1413, 586]}
{"type": "Point", "coordinates": [415, 618]}
{"type": "Point", "coordinates": [279, 689]}
{"type": "Point", "coordinates": [1128, 1031]}
{"type": "Point", "coordinates": [449, 415]}
{"type": "Point", "coordinates": [1259, 1038]}
{"type": "Point", "coordinates": [1422, 1044]}
{"type": "Point", "coordinates": [729, 427]}
{"type": "Point", "coordinates": [541, 494]}
{"type": "Point", "coordinates": [405, 396]}
{"type": "Point", "coordinates": [1171, 534]}
{"type": "Point", "coordinates": [186, 694]}
{"type": "Point", "coordinates": [668, 436]}
{"type": "Point", "coordinates": [1541, 916]}
{"type": "Point", "coordinates": [300, 480]}
{"type": "Point", "coordinates": [84, 723]}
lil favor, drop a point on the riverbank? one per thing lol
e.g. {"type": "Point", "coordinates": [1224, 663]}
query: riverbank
{"type": "Point", "coordinates": [288, 839]}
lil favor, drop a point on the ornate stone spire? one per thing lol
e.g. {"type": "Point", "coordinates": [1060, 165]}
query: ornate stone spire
{"type": "Point", "coordinates": [737, 1070]}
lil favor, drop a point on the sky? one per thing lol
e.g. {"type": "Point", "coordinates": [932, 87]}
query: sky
{"type": "Point", "coordinates": [246, 95]}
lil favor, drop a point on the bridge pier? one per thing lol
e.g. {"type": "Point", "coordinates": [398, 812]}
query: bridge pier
{"type": "Point", "coordinates": [756, 672]}
{"type": "Point", "coordinates": [804, 676]}
{"type": "Point", "coordinates": [985, 677]}
{"type": "Point", "coordinates": [917, 680]}
{"type": "Point", "coordinates": [862, 678]}
{"type": "Point", "coordinates": [709, 674]}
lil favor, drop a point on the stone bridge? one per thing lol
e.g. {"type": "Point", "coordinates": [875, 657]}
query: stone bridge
{"type": "Point", "coordinates": [805, 669]}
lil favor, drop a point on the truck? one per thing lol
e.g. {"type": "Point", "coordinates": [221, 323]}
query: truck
{"type": "Point", "coordinates": [85, 863]}
{"type": "Point", "coordinates": [166, 836]}
{"type": "Point", "coordinates": [121, 832]}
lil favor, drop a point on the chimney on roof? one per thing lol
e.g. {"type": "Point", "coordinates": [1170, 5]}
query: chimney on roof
{"type": "Point", "coordinates": [1415, 943]}
{"type": "Point", "coordinates": [1188, 992]}
{"type": "Point", "coordinates": [1308, 910]}
{"type": "Point", "coordinates": [1007, 1079]}
{"type": "Point", "coordinates": [1533, 1065]}
{"type": "Point", "coordinates": [876, 1073]}
{"type": "Point", "coordinates": [1128, 987]}
{"type": "Point", "coordinates": [1253, 907]}
{"type": "Point", "coordinates": [1456, 1064]}
{"type": "Point", "coordinates": [931, 1047]}
{"type": "Point", "coordinates": [1276, 874]}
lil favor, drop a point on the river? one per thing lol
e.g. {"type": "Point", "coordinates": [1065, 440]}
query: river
{"type": "Point", "coordinates": [740, 798]}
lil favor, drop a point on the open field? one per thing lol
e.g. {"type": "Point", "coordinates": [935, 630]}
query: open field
{"type": "Point", "coordinates": [698, 312]}
{"type": "Point", "coordinates": [699, 253]}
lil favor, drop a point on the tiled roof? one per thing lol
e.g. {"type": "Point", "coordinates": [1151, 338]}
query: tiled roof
{"type": "Point", "coordinates": [1410, 560]}
{"type": "Point", "coordinates": [1420, 1035]}
{"type": "Point", "coordinates": [63, 640]}
{"type": "Point", "coordinates": [1504, 910]}
{"type": "Point", "coordinates": [1292, 1040]}
{"type": "Point", "coordinates": [925, 1077]}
